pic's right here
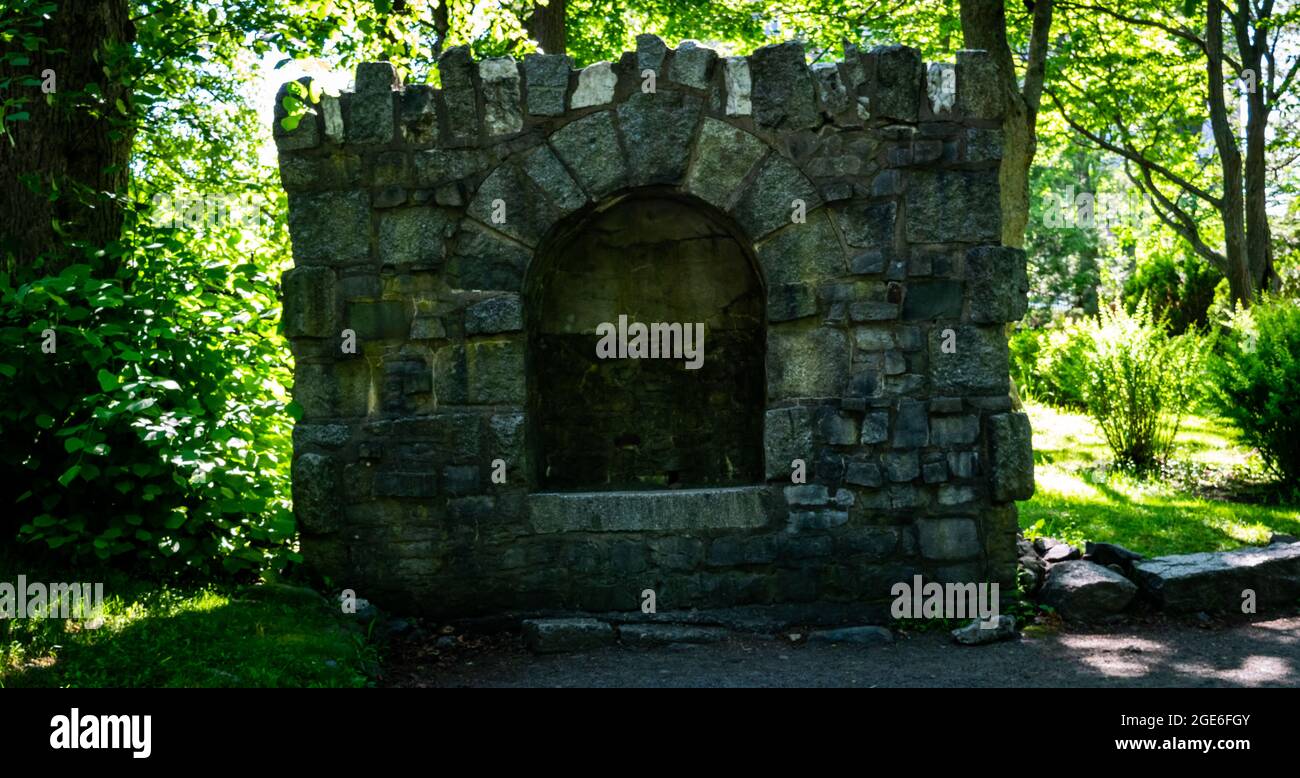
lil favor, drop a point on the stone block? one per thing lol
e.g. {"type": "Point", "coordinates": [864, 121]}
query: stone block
{"type": "Point", "coordinates": [310, 303]}
{"type": "Point", "coordinates": [502, 114]}
{"type": "Point", "coordinates": [657, 130]}
{"type": "Point", "coordinates": [329, 227]}
{"type": "Point", "coordinates": [802, 253]}
{"type": "Point", "coordinates": [595, 86]}
{"type": "Point", "coordinates": [724, 155]}
{"type": "Point", "coordinates": [979, 87]}
{"type": "Point", "coordinates": [969, 360]}
{"type": "Point", "coordinates": [589, 147]}
{"type": "Point", "coordinates": [1011, 457]}
{"type": "Point", "coordinates": [563, 636]}
{"type": "Point", "coordinates": [806, 363]}
{"type": "Point", "coordinates": [953, 206]}
{"type": "Point", "coordinates": [773, 198]}
{"type": "Point", "coordinates": [911, 425]}
{"type": "Point", "coordinates": [547, 76]}
{"type": "Point", "coordinates": [692, 64]}
{"type": "Point", "coordinates": [661, 511]}
{"type": "Point", "coordinates": [1214, 581]}
{"type": "Point", "coordinates": [787, 435]}
{"type": "Point", "coordinates": [999, 284]}
{"type": "Point", "coordinates": [935, 300]}
{"type": "Point", "coordinates": [413, 236]}
{"type": "Point", "coordinates": [493, 315]}
{"type": "Point", "coordinates": [783, 92]}
{"type": "Point", "coordinates": [948, 539]}
{"type": "Point", "coordinates": [897, 93]}
{"type": "Point", "coordinates": [316, 494]}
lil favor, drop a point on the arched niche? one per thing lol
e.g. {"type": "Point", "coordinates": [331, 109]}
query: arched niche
{"type": "Point", "coordinates": [688, 417]}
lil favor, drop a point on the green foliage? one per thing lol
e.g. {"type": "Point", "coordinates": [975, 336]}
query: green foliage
{"type": "Point", "coordinates": [20, 41]}
{"type": "Point", "coordinates": [1139, 382]}
{"type": "Point", "coordinates": [1180, 289]}
{"type": "Point", "coordinates": [145, 386]}
{"type": "Point", "coordinates": [1256, 381]}
{"type": "Point", "coordinates": [1050, 364]}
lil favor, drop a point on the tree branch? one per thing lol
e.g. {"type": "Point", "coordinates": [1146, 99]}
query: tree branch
{"type": "Point", "coordinates": [1134, 156]}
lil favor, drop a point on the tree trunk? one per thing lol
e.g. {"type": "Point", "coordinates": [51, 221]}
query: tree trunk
{"type": "Point", "coordinates": [76, 143]}
{"type": "Point", "coordinates": [546, 26]}
{"type": "Point", "coordinates": [984, 26]}
{"type": "Point", "coordinates": [1259, 236]}
{"type": "Point", "coordinates": [1232, 208]}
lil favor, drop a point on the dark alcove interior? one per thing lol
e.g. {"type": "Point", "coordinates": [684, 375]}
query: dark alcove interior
{"type": "Point", "coordinates": [650, 423]}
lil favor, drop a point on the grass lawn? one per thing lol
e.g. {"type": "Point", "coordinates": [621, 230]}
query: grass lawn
{"type": "Point", "coordinates": [1211, 496]}
{"type": "Point", "coordinates": [163, 637]}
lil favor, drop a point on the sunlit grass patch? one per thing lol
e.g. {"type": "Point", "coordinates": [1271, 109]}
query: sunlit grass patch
{"type": "Point", "coordinates": [1080, 496]}
{"type": "Point", "coordinates": [157, 636]}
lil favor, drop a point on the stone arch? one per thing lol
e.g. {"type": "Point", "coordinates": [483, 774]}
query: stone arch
{"type": "Point", "coordinates": [661, 146]}
{"type": "Point", "coordinates": [650, 257]}
{"type": "Point", "coordinates": [613, 153]}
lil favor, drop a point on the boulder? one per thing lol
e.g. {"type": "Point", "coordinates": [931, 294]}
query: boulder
{"type": "Point", "coordinates": [1083, 590]}
{"type": "Point", "coordinates": [1216, 580]}
{"type": "Point", "coordinates": [1060, 553]}
{"type": "Point", "coordinates": [978, 633]}
{"type": "Point", "coordinates": [666, 634]}
{"type": "Point", "coordinates": [560, 636]}
{"type": "Point", "coordinates": [1031, 571]}
{"type": "Point", "coordinates": [1109, 554]}
{"type": "Point", "coordinates": [862, 636]}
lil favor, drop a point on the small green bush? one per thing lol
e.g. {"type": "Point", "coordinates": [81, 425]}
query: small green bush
{"type": "Point", "coordinates": [1140, 382]}
{"type": "Point", "coordinates": [1255, 373]}
{"type": "Point", "coordinates": [1049, 365]}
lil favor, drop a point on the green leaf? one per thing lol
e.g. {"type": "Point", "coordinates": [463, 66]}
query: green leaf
{"type": "Point", "coordinates": [69, 474]}
{"type": "Point", "coordinates": [107, 381]}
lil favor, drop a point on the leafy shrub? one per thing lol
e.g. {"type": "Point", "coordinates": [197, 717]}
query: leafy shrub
{"type": "Point", "coordinates": [1255, 374]}
{"type": "Point", "coordinates": [1139, 382]}
{"type": "Point", "coordinates": [144, 411]}
{"type": "Point", "coordinates": [1049, 365]}
{"type": "Point", "coordinates": [1179, 289]}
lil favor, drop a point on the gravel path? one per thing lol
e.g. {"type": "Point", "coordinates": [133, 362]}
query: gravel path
{"type": "Point", "coordinates": [1264, 652]}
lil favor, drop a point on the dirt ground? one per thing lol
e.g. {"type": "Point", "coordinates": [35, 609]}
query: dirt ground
{"type": "Point", "coordinates": [1187, 653]}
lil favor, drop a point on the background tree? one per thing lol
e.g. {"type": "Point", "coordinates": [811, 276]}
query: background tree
{"type": "Point", "coordinates": [67, 134]}
{"type": "Point", "coordinates": [1143, 81]}
{"type": "Point", "coordinates": [984, 26]}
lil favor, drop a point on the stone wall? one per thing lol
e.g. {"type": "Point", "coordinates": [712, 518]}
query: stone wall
{"type": "Point", "coordinates": [862, 193]}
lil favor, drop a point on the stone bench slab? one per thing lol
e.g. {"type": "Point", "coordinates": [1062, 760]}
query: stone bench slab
{"type": "Point", "coordinates": [739, 507]}
{"type": "Point", "coordinates": [1216, 580]}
